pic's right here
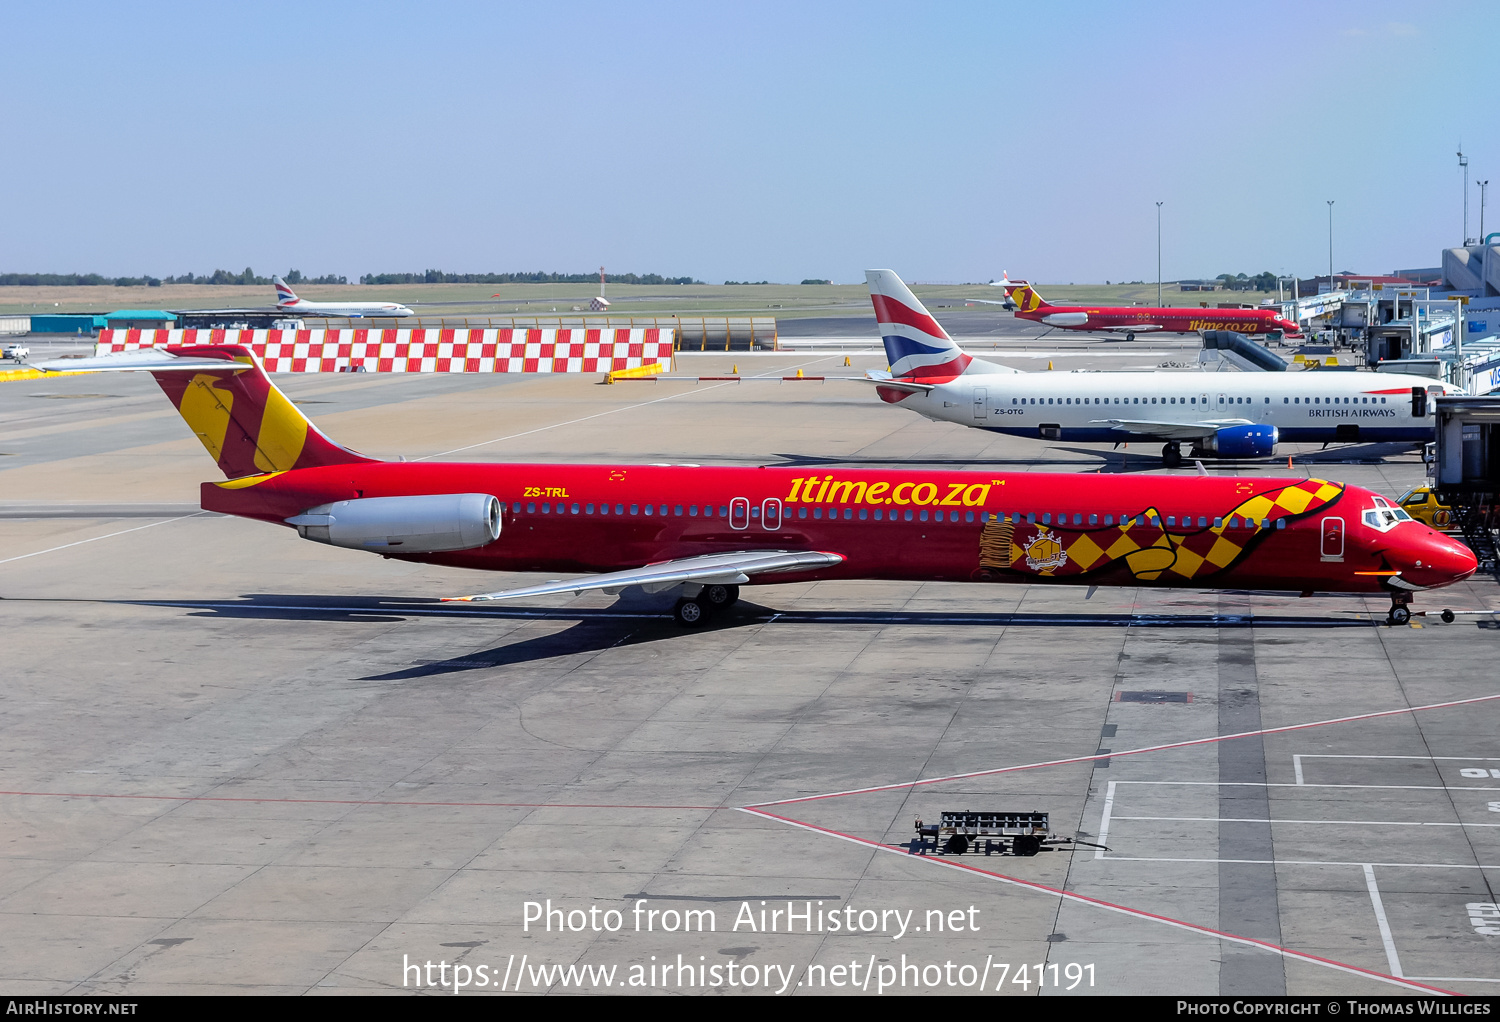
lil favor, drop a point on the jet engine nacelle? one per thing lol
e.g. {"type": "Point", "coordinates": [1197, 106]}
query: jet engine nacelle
{"type": "Point", "coordinates": [1248, 441]}
{"type": "Point", "coordinates": [425, 524]}
{"type": "Point", "coordinates": [1067, 319]}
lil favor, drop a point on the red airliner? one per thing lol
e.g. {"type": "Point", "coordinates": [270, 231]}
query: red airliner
{"type": "Point", "coordinates": [703, 532]}
{"type": "Point", "coordinates": [1131, 320]}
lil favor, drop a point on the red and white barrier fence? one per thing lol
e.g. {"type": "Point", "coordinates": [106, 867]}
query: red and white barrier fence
{"type": "Point", "coordinates": [420, 351]}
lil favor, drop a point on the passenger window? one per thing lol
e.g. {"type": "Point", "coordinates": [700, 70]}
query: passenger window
{"type": "Point", "coordinates": [692, 510]}
{"type": "Point", "coordinates": [531, 508]}
{"type": "Point", "coordinates": [1234, 521]}
{"type": "Point", "coordinates": [1202, 522]}
{"type": "Point", "coordinates": [864, 513]}
{"type": "Point", "coordinates": [817, 512]}
{"type": "Point", "coordinates": [1030, 517]}
{"type": "Point", "coordinates": [546, 508]}
{"type": "Point", "coordinates": [1218, 523]}
{"type": "Point", "coordinates": [1093, 519]}
{"type": "Point", "coordinates": [968, 516]}
{"type": "Point", "coordinates": [620, 509]}
{"type": "Point", "coordinates": [1109, 519]}
{"type": "Point", "coordinates": [754, 510]}
{"type": "Point", "coordinates": [1047, 519]}
{"type": "Point", "coordinates": [907, 516]}
{"type": "Point", "coordinates": [515, 508]}
{"type": "Point", "coordinates": [879, 515]}
{"type": "Point", "coordinates": [1171, 521]}
{"type": "Point", "coordinates": [1078, 519]}
{"type": "Point", "coordinates": [635, 509]}
{"type": "Point", "coordinates": [923, 515]}
{"type": "Point", "coordinates": [650, 510]}
{"type": "Point", "coordinates": [802, 512]}
{"type": "Point", "coordinates": [664, 510]}
{"type": "Point", "coordinates": [1281, 523]}
{"type": "Point", "coordinates": [574, 508]}
{"type": "Point", "coordinates": [589, 510]}
{"type": "Point", "coordinates": [677, 511]}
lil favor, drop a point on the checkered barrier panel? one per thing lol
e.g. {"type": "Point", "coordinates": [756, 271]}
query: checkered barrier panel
{"type": "Point", "coordinates": [420, 351]}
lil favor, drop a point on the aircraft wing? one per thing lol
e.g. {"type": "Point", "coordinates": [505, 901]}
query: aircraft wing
{"type": "Point", "coordinates": [1144, 328]}
{"type": "Point", "coordinates": [990, 301]}
{"type": "Point", "coordinates": [1172, 430]}
{"type": "Point", "coordinates": [732, 568]}
{"type": "Point", "coordinates": [152, 359]}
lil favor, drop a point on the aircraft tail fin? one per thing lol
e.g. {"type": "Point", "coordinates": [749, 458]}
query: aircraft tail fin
{"type": "Point", "coordinates": [243, 420]}
{"type": "Point", "coordinates": [284, 294]}
{"type": "Point", "coordinates": [1026, 298]}
{"type": "Point", "coordinates": [916, 345]}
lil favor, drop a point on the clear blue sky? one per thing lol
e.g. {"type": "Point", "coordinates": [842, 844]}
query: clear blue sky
{"type": "Point", "coordinates": [743, 141]}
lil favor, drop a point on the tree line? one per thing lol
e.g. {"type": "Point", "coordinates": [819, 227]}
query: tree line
{"type": "Point", "coordinates": [537, 277]}
{"type": "Point", "coordinates": [249, 276]}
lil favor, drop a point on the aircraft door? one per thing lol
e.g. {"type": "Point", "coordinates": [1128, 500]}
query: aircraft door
{"type": "Point", "coordinates": [739, 513]}
{"type": "Point", "coordinates": [980, 400]}
{"type": "Point", "coordinates": [770, 514]}
{"type": "Point", "coordinates": [1333, 538]}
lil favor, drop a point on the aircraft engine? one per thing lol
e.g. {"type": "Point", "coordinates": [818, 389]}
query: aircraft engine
{"type": "Point", "coordinates": [1248, 441]}
{"type": "Point", "coordinates": [425, 524]}
{"type": "Point", "coordinates": [1067, 319]}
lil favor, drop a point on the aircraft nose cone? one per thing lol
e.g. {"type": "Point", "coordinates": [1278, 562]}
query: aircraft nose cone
{"type": "Point", "coordinates": [1437, 560]}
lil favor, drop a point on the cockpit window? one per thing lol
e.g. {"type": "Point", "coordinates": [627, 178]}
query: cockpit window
{"type": "Point", "coordinates": [1384, 516]}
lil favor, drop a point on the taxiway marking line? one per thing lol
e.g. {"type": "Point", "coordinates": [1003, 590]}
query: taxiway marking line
{"type": "Point", "coordinates": [95, 539]}
{"type": "Point", "coordinates": [1393, 961]}
{"type": "Point", "coordinates": [1136, 752]}
{"type": "Point", "coordinates": [346, 801]}
{"type": "Point", "coordinates": [1321, 823]}
{"type": "Point", "coordinates": [1110, 906]}
{"type": "Point", "coordinates": [1303, 862]}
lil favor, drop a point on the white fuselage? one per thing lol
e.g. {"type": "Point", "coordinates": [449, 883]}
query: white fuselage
{"type": "Point", "coordinates": [1304, 406]}
{"type": "Point", "coordinates": [303, 307]}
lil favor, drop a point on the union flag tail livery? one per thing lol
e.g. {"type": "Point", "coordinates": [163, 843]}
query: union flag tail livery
{"type": "Point", "coordinates": [246, 424]}
{"type": "Point", "coordinates": [700, 532]}
{"type": "Point", "coordinates": [284, 294]}
{"type": "Point", "coordinates": [916, 345]}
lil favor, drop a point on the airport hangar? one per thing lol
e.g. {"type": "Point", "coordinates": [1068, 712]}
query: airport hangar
{"type": "Point", "coordinates": [237, 761]}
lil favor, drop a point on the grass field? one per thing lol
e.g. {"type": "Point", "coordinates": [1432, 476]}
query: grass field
{"type": "Point", "coordinates": [544, 299]}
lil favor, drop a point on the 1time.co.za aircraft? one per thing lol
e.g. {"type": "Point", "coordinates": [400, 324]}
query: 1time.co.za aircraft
{"type": "Point", "coordinates": [1226, 414]}
{"type": "Point", "coordinates": [701, 532]}
{"type": "Point", "coordinates": [287, 301]}
{"type": "Point", "coordinates": [1140, 319]}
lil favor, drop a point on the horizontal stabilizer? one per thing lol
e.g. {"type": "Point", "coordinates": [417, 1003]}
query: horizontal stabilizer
{"type": "Point", "coordinates": [733, 568]}
{"type": "Point", "coordinates": [145, 360]}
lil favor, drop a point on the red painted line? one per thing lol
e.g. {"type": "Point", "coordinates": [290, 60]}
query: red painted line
{"type": "Point", "coordinates": [1128, 752]}
{"type": "Point", "coordinates": [347, 801]}
{"type": "Point", "coordinates": [1207, 931]}
{"type": "Point", "coordinates": [817, 378]}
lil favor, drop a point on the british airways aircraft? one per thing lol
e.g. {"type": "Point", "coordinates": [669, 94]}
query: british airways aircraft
{"type": "Point", "coordinates": [1228, 414]}
{"type": "Point", "coordinates": [287, 301]}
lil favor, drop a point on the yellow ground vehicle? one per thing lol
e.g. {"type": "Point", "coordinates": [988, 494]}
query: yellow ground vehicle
{"type": "Point", "coordinates": [1422, 504]}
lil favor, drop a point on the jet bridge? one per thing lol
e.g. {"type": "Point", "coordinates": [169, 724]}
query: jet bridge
{"type": "Point", "coordinates": [1467, 471]}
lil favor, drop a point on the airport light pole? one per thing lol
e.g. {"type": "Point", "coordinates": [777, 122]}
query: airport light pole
{"type": "Point", "coordinates": [1483, 186]}
{"type": "Point", "coordinates": [1463, 162]}
{"type": "Point", "coordinates": [1330, 244]}
{"type": "Point", "coordinates": [1158, 255]}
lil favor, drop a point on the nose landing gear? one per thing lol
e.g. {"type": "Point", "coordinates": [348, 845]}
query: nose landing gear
{"type": "Point", "coordinates": [1400, 612]}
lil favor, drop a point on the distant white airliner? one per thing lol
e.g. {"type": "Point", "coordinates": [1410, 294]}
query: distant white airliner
{"type": "Point", "coordinates": [1231, 414]}
{"type": "Point", "coordinates": [287, 300]}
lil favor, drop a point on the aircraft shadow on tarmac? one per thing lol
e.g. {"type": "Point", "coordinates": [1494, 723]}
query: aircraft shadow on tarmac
{"type": "Point", "coordinates": [630, 622]}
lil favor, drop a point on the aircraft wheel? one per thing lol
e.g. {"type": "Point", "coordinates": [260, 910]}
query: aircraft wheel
{"type": "Point", "coordinates": [1447, 616]}
{"type": "Point", "coordinates": [690, 613]}
{"type": "Point", "coordinates": [719, 597]}
{"type": "Point", "coordinates": [1399, 615]}
{"type": "Point", "coordinates": [1130, 336]}
{"type": "Point", "coordinates": [1171, 455]}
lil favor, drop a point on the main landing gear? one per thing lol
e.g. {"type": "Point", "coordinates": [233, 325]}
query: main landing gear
{"type": "Point", "coordinates": [1171, 455]}
{"type": "Point", "coordinates": [693, 611]}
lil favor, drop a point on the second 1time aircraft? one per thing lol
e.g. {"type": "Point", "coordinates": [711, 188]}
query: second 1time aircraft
{"type": "Point", "coordinates": [1223, 414]}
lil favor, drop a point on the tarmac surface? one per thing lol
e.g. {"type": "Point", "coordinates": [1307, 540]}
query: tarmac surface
{"type": "Point", "coordinates": [235, 761]}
